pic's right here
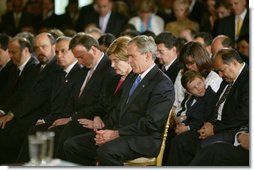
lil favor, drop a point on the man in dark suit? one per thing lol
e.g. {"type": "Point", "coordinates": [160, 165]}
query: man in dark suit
{"type": "Point", "coordinates": [18, 86]}
{"type": "Point", "coordinates": [87, 15]}
{"type": "Point", "coordinates": [196, 10]}
{"type": "Point", "coordinates": [167, 50]}
{"type": "Point", "coordinates": [13, 21]}
{"type": "Point", "coordinates": [230, 112]}
{"type": "Point", "coordinates": [72, 74]}
{"type": "Point", "coordinates": [224, 154]}
{"type": "Point", "coordinates": [6, 65]}
{"type": "Point", "coordinates": [135, 127]}
{"type": "Point", "coordinates": [228, 25]}
{"type": "Point", "coordinates": [21, 116]}
{"type": "Point", "coordinates": [86, 98]}
{"type": "Point", "coordinates": [107, 20]}
{"type": "Point", "coordinates": [70, 17]}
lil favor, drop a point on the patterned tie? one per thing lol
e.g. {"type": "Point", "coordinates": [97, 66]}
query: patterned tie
{"type": "Point", "coordinates": [239, 23]}
{"type": "Point", "coordinates": [221, 100]}
{"type": "Point", "coordinates": [135, 84]}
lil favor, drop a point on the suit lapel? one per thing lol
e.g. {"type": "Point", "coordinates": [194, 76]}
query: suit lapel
{"type": "Point", "coordinates": [96, 74]}
{"type": "Point", "coordinates": [238, 81]}
{"type": "Point", "coordinates": [142, 85]}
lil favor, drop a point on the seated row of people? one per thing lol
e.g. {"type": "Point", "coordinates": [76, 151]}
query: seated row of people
{"type": "Point", "coordinates": [124, 93]}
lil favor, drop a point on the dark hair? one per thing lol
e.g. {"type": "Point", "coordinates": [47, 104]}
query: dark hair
{"type": "Point", "coordinates": [229, 54]}
{"type": "Point", "coordinates": [189, 76]}
{"type": "Point", "coordinates": [207, 37]}
{"type": "Point", "coordinates": [168, 39]}
{"type": "Point", "coordinates": [149, 33]}
{"type": "Point", "coordinates": [200, 56]}
{"type": "Point", "coordinates": [106, 39]}
{"type": "Point", "coordinates": [85, 40]}
{"type": "Point", "coordinates": [4, 41]}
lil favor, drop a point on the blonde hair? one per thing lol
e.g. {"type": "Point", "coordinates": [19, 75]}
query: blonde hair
{"type": "Point", "coordinates": [119, 48]}
{"type": "Point", "coordinates": [184, 3]}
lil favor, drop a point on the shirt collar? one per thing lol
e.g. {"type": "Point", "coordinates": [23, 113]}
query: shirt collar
{"type": "Point", "coordinates": [69, 68]}
{"type": "Point", "coordinates": [21, 67]}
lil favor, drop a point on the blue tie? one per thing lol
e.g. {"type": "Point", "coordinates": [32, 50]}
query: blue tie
{"type": "Point", "coordinates": [135, 84]}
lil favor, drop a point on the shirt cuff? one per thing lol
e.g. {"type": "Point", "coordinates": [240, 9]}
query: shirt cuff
{"type": "Point", "coordinates": [237, 143]}
{"type": "Point", "coordinates": [1, 111]}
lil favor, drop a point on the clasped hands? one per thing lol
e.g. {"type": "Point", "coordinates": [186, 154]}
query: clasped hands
{"type": "Point", "coordinates": [103, 136]}
{"type": "Point", "coordinates": [206, 130]}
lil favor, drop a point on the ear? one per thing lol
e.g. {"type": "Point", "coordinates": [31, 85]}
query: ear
{"type": "Point", "coordinates": [149, 56]}
{"type": "Point", "coordinates": [174, 49]}
{"type": "Point", "coordinates": [93, 50]}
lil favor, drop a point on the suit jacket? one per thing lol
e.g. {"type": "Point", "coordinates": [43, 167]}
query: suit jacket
{"type": "Point", "coordinates": [173, 70]}
{"type": "Point", "coordinates": [5, 76]}
{"type": "Point", "coordinates": [19, 86]}
{"type": "Point", "coordinates": [8, 22]}
{"type": "Point", "coordinates": [115, 24]}
{"type": "Point", "coordinates": [87, 15]}
{"type": "Point", "coordinates": [36, 102]}
{"type": "Point", "coordinates": [62, 90]}
{"type": "Point", "coordinates": [226, 26]}
{"type": "Point", "coordinates": [235, 112]}
{"type": "Point", "coordinates": [197, 11]}
{"type": "Point", "coordinates": [141, 121]}
{"type": "Point", "coordinates": [67, 22]}
{"type": "Point", "coordinates": [200, 111]}
{"type": "Point", "coordinates": [88, 104]}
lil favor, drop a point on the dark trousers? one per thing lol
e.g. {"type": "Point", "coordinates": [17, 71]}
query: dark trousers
{"type": "Point", "coordinates": [185, 146]}
{"type": "Point", "coordinates": [82, 150]}
{"type": "Point", "coordinates": [221, 154]}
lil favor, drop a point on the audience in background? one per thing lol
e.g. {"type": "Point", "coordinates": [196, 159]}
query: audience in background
{"type": "Point", "coordinates": [236, 24]}
{"type": "Point", "coordinates": [147, 20]}
{"type": "Point", "coordinates": [181, 11]}
{"type": "Point", "coordinates": [204, 39]}
{"type": "Point", "coordinates": [105, 40]}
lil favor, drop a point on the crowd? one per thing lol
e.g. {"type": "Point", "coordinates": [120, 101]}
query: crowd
{"type": "Point", "coordinates": [104, 77]}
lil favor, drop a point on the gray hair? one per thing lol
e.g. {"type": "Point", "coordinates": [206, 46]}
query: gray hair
{"type": "Point", "coordinates": [145, 44]}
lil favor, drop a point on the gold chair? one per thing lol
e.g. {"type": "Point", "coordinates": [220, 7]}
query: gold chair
{"type": "Point", "coordinates": [154, 161]}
